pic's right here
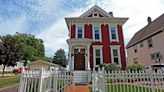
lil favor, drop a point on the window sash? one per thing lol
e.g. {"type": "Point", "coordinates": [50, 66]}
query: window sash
{"type": "Point", "coordinates": [97, 33]}
{"type": "Point", "coordinates": [79, 32]}
{"type": "Point", "coordinates": [113, 33]}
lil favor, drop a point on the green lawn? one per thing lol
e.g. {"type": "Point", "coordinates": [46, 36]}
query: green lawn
{"type": "Point", "coordinates": [126, 88]}
{"type": "Point", "coordinates": [8, 81]}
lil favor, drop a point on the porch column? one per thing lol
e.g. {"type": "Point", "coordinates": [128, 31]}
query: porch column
{"type": "Point", "coordinates": [70, 57]}
{"type": "Point", "coordinates": [88, 56]}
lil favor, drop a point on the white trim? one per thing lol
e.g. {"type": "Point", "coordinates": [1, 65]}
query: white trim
{"type": "Point", "coordinates": [94, 55]}
{"type": "Point", "coordinates": [110, 33]}
{"type": "Point", "coordinates": [119, 56]}
{"type": "Point", "coordinates": [76, 31]}
{"type": "Point", "coordinates": [93, 32]}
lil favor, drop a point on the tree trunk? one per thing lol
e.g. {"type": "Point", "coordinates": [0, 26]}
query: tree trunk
{"type": "Point", "coordinates": [4, 66]}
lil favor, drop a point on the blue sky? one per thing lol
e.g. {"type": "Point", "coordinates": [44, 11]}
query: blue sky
{"type": "Point", "coordinates": [45, 18]}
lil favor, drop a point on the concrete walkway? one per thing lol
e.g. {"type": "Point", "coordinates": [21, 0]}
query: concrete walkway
{"type": "Point", "coordinates": [78, 88]}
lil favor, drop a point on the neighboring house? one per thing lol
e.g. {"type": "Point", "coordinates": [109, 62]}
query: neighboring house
{"type": "Point", "coordinates": [39, 64]}
{"type": "Point", "coordinates": [147, 45]}
{"type": "Point", "coordinates": [96, 37]}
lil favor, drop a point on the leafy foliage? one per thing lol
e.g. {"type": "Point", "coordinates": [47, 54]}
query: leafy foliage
{"type": "Point", "coordinates": [136, 67]}
{"type": "Point", "coordinates": [31, 48]}
{"type": "Point", "coordinates": [9, 53]}
{"type": "Point", "coordinates": [111, 67]}
{"type": "Point", "coordinates": [60, 58]}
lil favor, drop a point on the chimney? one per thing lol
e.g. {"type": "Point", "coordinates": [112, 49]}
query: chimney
{"type": "Point", "coordinates": [111, 13]}
{"type": "Point", "coordinates": [149, 20]}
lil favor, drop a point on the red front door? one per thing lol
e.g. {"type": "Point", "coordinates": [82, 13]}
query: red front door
{"type": "Point", "coordinates": [79, 59]}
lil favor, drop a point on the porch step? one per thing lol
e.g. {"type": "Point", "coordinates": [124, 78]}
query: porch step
{"type": "Point", "coordinates": [81, 77]}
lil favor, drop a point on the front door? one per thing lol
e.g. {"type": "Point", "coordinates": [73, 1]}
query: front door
{"type": "Point", "coordinates": [79, 59]}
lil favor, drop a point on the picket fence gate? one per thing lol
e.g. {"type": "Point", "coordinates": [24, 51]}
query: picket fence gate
{"type": "Point", "coordinates": [127, 81]}
{"type": "Point", "coordinates": [46, 81]}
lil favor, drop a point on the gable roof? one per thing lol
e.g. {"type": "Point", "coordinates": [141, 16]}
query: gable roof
{"type": "Point", "coordinates": [149, 30]}
{"type": "Point", "coordinates": [95, 9]}
{"type": "Point", "coordinates": [45, 62]}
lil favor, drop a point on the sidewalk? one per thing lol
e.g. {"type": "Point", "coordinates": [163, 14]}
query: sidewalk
{"type": "Point", "coordinates": [10, 89]}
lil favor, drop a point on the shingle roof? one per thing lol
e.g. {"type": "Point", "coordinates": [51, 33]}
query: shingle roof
{"type": "Point", "coordinates": [154, 27]}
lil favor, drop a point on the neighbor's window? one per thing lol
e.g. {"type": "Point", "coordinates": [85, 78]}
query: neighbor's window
{"type": "Point", "coordinates": [97, 52]}
{"type": "Point", "coordinates": [96, 33]}
{"type": "Point", "coordinates": [155, 56]}
{"type": "Point", "coordinates": [135, 48]}
{"type": "Point", "coordinates": [135, 60]}
{"type": "Point", "coordinates": [113, 33]}
{"type": "Point", "coordinates": [149, 42]}
{"type": "Point", "coordinates": [141, 44]}
{"type": "Point", "coordinates": [115, 56]}
{"type": "Point", "coordinates": [80, 32]}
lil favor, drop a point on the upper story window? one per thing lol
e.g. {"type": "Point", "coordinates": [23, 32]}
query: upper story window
{"type": "Point", "coordinates": [96, 33]}
{"type": "Point", "coordinates": [135, 60]}
{"type": "Point", "coordinates": [79, 32]}
{"type": "Point", "coordinates": [113, 33]}
{"type": "Point", "coordinates": [135, 48]}
{"type": "Point", "coordinates": [149, 42]}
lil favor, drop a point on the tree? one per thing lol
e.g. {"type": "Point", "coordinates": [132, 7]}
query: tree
{"type": "Point", "coordinates": [31, 48]}
{"type": "Point", "coordinates": [9, 53]}
{"type": "Point", "coordinates": [60, 58]}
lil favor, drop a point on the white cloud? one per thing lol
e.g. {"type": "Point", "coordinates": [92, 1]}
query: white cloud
{"type": "Point", "coordinates": [10, 26]}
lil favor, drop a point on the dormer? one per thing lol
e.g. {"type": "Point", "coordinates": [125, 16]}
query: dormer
{"type": "Point", "coordinates": [96, 12]}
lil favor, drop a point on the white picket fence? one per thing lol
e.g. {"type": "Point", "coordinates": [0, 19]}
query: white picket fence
{"type": "Point", "coordinates": [127, 81]}
{"type": "Point", "coordinates": [46, 81]}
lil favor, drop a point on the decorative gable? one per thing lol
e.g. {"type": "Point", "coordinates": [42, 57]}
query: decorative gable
{"type": "Point", "coordinates": [96, 12]}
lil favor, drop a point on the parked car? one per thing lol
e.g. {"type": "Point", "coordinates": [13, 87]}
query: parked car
{"type": "Point", "coordinates": [20, 70]}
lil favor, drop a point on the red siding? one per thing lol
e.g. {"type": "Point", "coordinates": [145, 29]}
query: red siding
{"type": "Point", "coordinates": [91, 57]}
{"type": "Point", "coordinates": [106, 44]}
{"type": "Point", "coordinates": [73, 29]}
{"type": "Point", "coordinates": [122, 49]}
{"type": "Point", "coordinates": [88, 31]}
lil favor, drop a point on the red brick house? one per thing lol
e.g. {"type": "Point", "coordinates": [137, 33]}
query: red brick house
{"type": "Point", "coordinates": [96, 37]}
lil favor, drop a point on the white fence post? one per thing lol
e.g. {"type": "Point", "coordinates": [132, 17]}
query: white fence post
{"type": "Point", "coordinates": [40, 80]}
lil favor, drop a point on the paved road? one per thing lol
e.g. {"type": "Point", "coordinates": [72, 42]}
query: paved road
{"type": "Point", "coordinates": [11, 89]}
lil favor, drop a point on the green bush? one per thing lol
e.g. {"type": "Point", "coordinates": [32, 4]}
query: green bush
{"type": "Point", "coordinates": [135, 67]}
{"type": "Point", "coordinates": [110, 67]}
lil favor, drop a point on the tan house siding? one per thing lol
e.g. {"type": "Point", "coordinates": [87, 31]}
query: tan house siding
{"type": "Point", "coordinates": [143, 54]}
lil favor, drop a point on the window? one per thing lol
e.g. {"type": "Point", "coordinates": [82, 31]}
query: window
{"type": "Point", "coordinates": [135, 60]}
{"type": "Point", "coordinates": [155, 56]}
{"type": "Point", "coordinates": [79, 32]}
{"type": "Point", "coordinates": [113, 33]}
{"type": "Point", "coordinates": [95, 15]}
{"type": "Point", "coordinates": [97, 52]}
{"type": "Point", "coordinates": [115, 56]}
{"type": "Point", "coordinates": [135, 48]}
{"type": "Point", "coordinates": [141, 44]}
{"type": "Point", "coordinates": [149, 42]}
{"type": "Point", "coordinates": [97, 33]}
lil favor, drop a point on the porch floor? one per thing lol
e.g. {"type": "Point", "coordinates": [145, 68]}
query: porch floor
{"type": "Point", "coordinates": [78, 88]}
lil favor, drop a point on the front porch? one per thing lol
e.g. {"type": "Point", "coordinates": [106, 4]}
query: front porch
{"type": "Point", "coordinates": [79, 54]}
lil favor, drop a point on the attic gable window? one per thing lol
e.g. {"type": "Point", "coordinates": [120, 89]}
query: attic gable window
{"type": "Point", "coordinates": [95, 15]}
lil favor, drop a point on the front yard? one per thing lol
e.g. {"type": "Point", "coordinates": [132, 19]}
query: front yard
{"type": "Point", "coordinates": [7, 81]}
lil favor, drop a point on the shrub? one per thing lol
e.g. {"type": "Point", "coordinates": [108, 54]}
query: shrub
{"type": "Point", "coordinates": [135, 67]}
{"type": "Point", "coordinates": [110, 67]}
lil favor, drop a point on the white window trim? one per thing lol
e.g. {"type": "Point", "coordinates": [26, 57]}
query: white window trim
{"type": "Point", "coordinates": [94, 55]}
{"type": "Point", "coordinates": [93, 32]}
{"type": "Point", "coordinates": [95, 16]}
{"type": "Point", "coordinates": [79, 25]}
{"type": "Point", "coordinates": [113, 40]}
{"type": "Point", "coordinates": [119, 56]}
